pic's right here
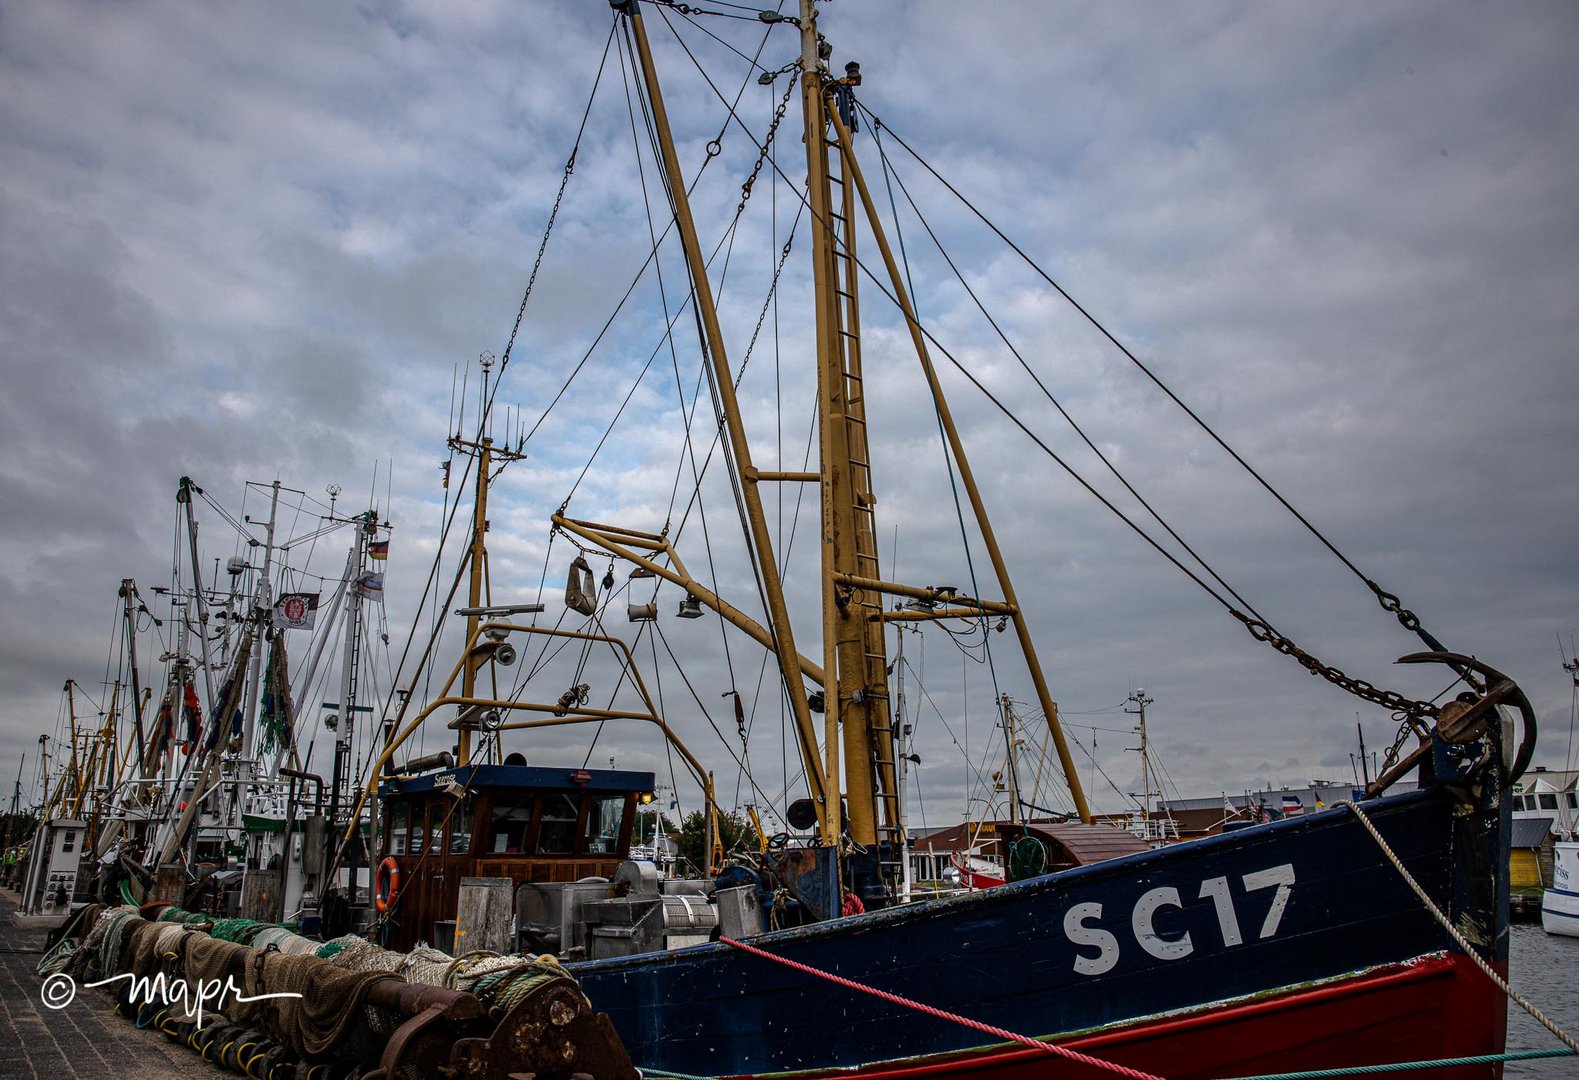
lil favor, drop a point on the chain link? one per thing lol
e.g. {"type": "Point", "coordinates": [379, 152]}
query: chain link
{"type": "Point", "coordinates": [1390, 758]}
{"type": "Point", "coordinates": [767, 303]}
{"type": "Point", "coordinates": [767, 141]}
{"type": "Point", "coordinates": [1406, 618]}
{"type": "Point", "coordinates": [1387, 699]}
{"type": "Point", "coordinates": [537, 263]}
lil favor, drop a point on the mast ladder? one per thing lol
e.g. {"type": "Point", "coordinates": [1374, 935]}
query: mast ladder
{"type": "Point", "coordinates": [872, 710]}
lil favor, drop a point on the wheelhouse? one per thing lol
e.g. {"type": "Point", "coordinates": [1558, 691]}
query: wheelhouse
{"type": "Point", "coordinates": [522, 822]}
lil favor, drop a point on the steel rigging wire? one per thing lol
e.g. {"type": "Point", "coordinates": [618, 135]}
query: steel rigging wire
{"type": "Point", "coordinates": [1258, 628]}
{"type": "Point", "coordinates": [1388, 601]}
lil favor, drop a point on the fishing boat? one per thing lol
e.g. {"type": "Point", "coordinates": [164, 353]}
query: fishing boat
{"type": "Point", "coordinates": [1560, 903]}
{"type": "Point", "coordinates": [1357, 935]}
{"type": "Point", "coordinates": [209, 808]}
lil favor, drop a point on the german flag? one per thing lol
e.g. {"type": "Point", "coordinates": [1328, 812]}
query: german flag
{"type": "Point", "coordinates": [378, 549]}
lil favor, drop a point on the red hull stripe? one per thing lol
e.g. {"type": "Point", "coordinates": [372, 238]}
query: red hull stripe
{"type": "Point", "coordinates": [1411, 1012]}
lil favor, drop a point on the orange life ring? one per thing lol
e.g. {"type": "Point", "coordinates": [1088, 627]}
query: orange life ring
{"type": "Point", "coordinates": [386, 884]}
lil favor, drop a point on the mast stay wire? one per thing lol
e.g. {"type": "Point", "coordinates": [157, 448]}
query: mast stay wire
{"type": "Point", "coordinates": [641, 271]}
{"type": "Point", "coordinates": [688, 451]}
{"type": "Point", "coordinates": [438, 624]}
{"type": "Point", "coordinates": [454, 509]}
{"type": "Point", "coordinates": [636, 281]}
{"type": "Point", "coordinates": [731, 463]}
{"type": "Point", "coordinates": [553, 215]}
{"type": "Point", "coordinates": [959, 510]}
{"type": "Point", "coordinates": [668, 336]}
{"type": "Point", "coordinates": [1040, 385]}
{"type": "Point", "coordinates": [1257, 628]}
{"type": "Point", "coordinates": [763, 148]}
{"type": "Point", "coordinates": [689, 411]}
{"type": "Point", "coordinates": [763, 154]}
{"type": "Point", "coordinates": [689, 302]}
{"type": "Point", "coordinates": [1388, 601]}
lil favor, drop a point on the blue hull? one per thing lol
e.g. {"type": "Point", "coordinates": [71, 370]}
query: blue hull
{"type": "Point", "coordinates": [1250, 913]}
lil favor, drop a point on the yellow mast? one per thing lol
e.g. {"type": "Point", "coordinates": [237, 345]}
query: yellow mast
{"type": "Point", "coordinates": [818, 780]}
{"type": "Point", "coordinates": [487, 453]}
{"type": "Point", "coordinates": [858, 739]}
{"type": "Point", "coordinates": [967, 479]}
{"type": "Point", "coordinates": [857, 714]}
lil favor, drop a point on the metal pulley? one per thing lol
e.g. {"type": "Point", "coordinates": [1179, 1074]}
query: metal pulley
{"type": "Point", "coordinates": [581, 592]}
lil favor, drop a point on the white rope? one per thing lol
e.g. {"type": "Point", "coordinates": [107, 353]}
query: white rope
{"type": "Point", "coordinates": [1463, 943]}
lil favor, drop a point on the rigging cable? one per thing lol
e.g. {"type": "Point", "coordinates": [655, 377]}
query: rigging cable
{"type": "Point", "coordinates": [730, 461]}
{"type": "Point", "coordinates": [438, 624]}
{"type": "Point", "coordinates": [728, 746]}
{"type": "Point", "coordinates": [1079, 431]}
{"type": "Point", "coordinates": [1259, 629]}
{"type": "Point", "coordinates": [1388, 601]}
{"type": "Point", "coordinates": [689, 450]}
{"type": "Point", "coordinates": [553, 215]}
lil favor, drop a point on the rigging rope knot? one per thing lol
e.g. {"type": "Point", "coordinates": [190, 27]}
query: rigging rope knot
{"type": "Point", "coordinates": [573, 698]}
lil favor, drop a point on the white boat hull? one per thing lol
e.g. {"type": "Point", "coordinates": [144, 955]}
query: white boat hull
{"type": "Point", "coordinates": [1560, 903]}
{"type": "Point", "coordinates": [1560, 912]}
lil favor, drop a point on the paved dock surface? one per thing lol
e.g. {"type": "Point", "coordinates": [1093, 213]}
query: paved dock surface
{"type": "Point", "coordinates": [86, 1038]}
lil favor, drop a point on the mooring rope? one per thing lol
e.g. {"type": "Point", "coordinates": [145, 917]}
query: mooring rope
{"type": "Point", "coordinates": [1463, 943]}
{"type": "Point", "coordinates": [1410, 1066]}
{"type": "Point", "coordinates": [942, 1014]}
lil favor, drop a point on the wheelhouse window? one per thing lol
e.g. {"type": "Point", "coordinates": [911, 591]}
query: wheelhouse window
{"type": "Point", "coordinates": [397, 826]}
{"type": "Point", "coordinates": [512, 818]}
{"type": "Point", "coordinates": [460, 828]}
{"type": "Point", "coordinates": [1548, 800]}
{"type": "Point", "coordinates": [604, 818]}
{"type": "Point", "coordinates": [419, 832]}
{"type": "Point", "coordinates": [556, 833]}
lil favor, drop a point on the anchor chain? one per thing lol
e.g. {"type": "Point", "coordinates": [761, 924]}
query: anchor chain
{"type": "Point", "coordinates": [537, 263]}
{"type": "Point", "coordinates": [767, 140]}
{"type": "Point", "coordinates": [1360, 688]}
{"type": "Point", "coordinates": [1390, 758]}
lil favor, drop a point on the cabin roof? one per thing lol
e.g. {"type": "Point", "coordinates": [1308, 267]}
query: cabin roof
{"type": "Point", "coordinates": [1072, 841]}
{"type": "Point", "coordinates": [1530, 832]}
{"type": "Point", "coordinates": [537, 777]}
{"type": "Point", "coordinates": [1090, 843]}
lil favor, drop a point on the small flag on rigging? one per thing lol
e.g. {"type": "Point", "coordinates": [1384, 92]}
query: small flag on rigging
{"type": "Point", "coordinates": [296, 611]}
{"type": "Point", "coordinates": [1292, 806]}
{"type": "Point", "coordinates": [378, 549]}
{"type": "Point", "coordinates": [371, 586]}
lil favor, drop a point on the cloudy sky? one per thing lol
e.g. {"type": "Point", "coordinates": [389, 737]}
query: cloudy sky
{"type": "Point", "coordinates": [245, 242]}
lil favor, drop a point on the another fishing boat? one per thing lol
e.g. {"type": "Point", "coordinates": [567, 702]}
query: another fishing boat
{"type": "Point", "coordinates": [1560, 903]}
{"type": "Point", "coordinates": [1357, 935]}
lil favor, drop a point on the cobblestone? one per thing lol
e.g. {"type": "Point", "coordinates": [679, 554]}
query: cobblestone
{"type": "Point", "coordinates": [86, 1038]}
